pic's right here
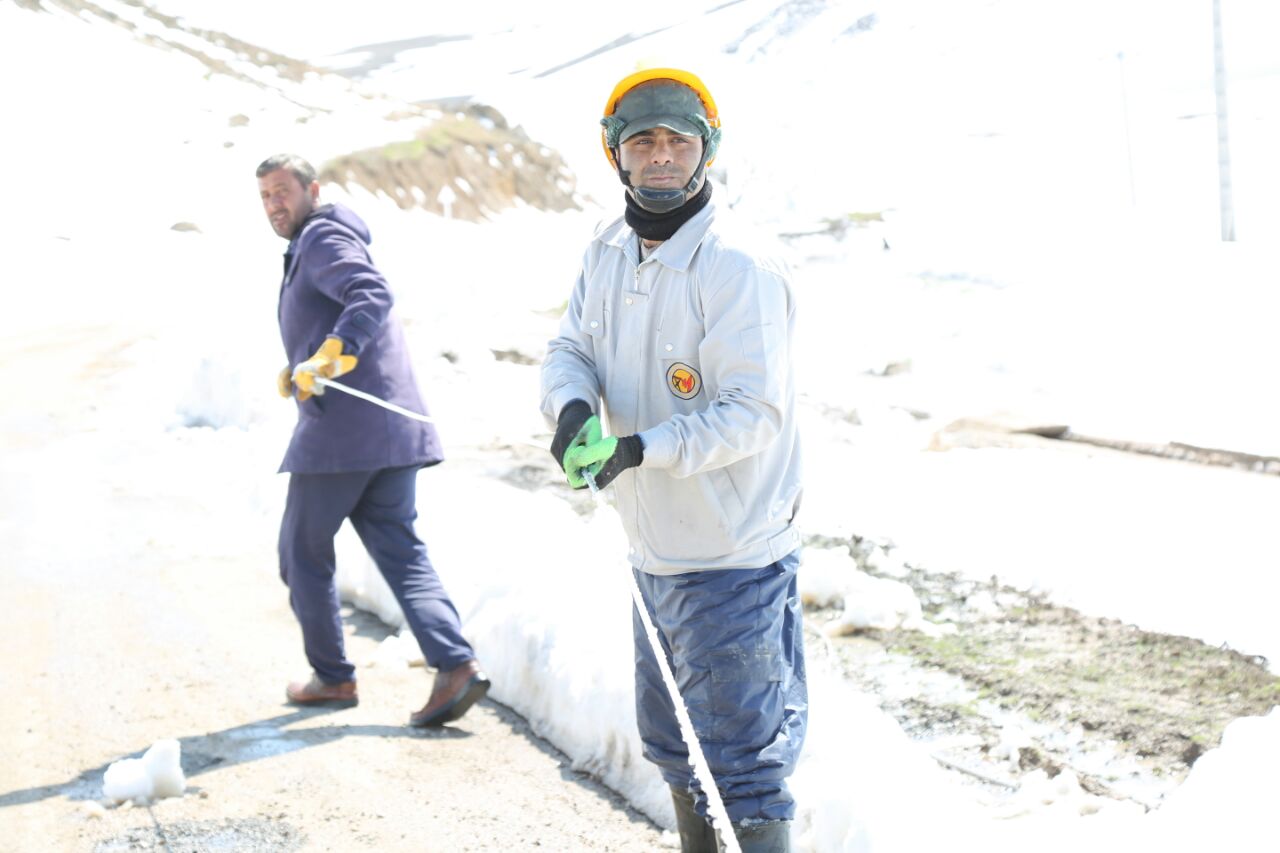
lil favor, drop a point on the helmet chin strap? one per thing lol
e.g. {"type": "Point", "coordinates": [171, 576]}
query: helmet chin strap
{"type": "Point", "coordinates": [662, 201]}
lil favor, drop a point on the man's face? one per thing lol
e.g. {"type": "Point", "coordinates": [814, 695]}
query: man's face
{"type": "Point", "coordinates": [660, 159]}
{"type": "Point", "coordinates": [286, 201]}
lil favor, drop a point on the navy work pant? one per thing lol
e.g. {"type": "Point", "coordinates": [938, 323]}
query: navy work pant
{"type": "Point", "coordinates": [382, 508]}
{"type": "Point", "coordinates": [735, 642]}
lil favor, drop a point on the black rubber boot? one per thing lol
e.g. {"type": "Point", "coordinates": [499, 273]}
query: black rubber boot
{"type": "Point", "coordinates": [696, 834]}
{"type": "Point", "coordinates": [773, 837]}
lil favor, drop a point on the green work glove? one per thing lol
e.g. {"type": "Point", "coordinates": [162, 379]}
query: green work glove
{"type": "Point", "coordinates": [575, 428]}
{"type": "Point", "coordinates": [605, 459]}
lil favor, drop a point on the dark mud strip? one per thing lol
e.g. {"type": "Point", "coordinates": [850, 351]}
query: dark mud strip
{"type": "Point", "coordinates": [981, 431]}
{"type": "Point", "coordinates": [1161, 699]}
{"type": "Point", "coordinates": [1185, 452]}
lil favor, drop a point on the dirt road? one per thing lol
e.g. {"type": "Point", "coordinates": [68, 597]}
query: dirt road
{"type": "Point", "coordinates": [132, 615]}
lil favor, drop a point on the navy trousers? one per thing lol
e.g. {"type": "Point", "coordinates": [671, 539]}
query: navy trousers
{"type": "Point", "coordinates": [382, 508]}
{"type": "Point", "coordinates": [735, 642]}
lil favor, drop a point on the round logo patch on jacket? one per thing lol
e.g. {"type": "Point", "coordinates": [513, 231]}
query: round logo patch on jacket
{"type": "Point", "coordinates": [683, 381]}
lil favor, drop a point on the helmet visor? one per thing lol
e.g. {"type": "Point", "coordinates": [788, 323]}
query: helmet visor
{"type": "Point", "coordinates": [660, 103]}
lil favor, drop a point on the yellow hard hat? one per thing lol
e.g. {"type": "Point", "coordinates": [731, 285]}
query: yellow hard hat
{"type": "Point", "coordinates": [633, 107]}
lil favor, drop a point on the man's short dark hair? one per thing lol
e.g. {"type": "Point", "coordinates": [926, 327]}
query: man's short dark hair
{"type": "Point", "coordinates": [299, 168]}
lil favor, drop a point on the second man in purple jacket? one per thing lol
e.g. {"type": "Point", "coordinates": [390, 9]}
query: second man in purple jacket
{"type": "Point", "coordinates": [348, 458]}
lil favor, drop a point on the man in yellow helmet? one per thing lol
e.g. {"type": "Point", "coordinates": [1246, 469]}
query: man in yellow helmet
{"type": "Point", "coordinates": [681, 337]}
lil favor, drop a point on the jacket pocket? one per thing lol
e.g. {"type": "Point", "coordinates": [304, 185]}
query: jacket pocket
{"type": "Point", "coordinates": [594, 316]}
{"type": "Point", "coordinates": [747, 699]}
{"type": "Point", "coordinates": [697, 518]}
{"type": "Point", "coordinates": [727, 497]}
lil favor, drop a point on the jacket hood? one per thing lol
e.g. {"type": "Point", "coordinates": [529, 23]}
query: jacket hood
{"type": "Point", "coordinates": [342, 215]}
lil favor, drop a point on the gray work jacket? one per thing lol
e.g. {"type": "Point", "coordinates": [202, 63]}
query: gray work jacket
{"type": "Point", "coordinates": [690, 349]}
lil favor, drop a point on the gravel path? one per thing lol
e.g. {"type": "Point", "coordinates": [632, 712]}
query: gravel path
{"type": "Point", "coordinates": [124, 625]}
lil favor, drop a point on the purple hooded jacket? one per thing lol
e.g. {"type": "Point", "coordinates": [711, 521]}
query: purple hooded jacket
{"type": "Point", "coordinates": [331, 287]}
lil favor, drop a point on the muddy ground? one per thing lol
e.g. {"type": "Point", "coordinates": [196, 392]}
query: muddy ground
{"type": "Point", "coordinates": [1129, 711]}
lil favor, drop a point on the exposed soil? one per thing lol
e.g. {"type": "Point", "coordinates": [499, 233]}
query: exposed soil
{"type": "Point", "coordinates": [156, 635]}
{"type": "Point", "coordinates": [468, 165]}
{"type": "Point", "coordinates": [1005, 430]}
{"type": "Point", "coordinates": [216, 42]}
{"type": "Point", "coordinates": [1128, 710]}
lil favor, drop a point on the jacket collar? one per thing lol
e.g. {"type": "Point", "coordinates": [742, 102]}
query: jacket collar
{"type": "Point", "coordinates": [675, 253]}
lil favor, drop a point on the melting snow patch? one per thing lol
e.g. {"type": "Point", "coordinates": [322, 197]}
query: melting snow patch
{"type": "Point", "coordinates": [398, 651]}
{"type": "Point", "coordinates": [869, 602]}
{"type": "Point", "coordinates": [157, 774]}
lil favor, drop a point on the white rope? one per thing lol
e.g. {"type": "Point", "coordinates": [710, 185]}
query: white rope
{"type": "Point", "coordinates": [377, 401]}
{"type": "Point", "coordinates": [701, 770]}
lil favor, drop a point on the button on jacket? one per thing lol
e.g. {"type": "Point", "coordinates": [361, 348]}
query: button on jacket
{"type": "Point", "coordinates": [331, 287]}
{"type": "Point", "coordinates": [691, 350]}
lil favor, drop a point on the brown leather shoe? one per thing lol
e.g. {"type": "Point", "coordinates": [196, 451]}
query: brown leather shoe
{"type": "Point", "coordinates": [316, 694]}
{"type": "Point", "coordinates": [452, 694]}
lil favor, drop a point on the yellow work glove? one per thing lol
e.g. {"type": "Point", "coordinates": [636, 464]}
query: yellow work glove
{"type": "Point", "coordinates": [328, 362]}
{"type": "Point", "coordinates": [284, 382]}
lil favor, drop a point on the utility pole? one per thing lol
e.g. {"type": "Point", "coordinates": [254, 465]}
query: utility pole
{"type": "Point", "coordinates": [1224, 157]}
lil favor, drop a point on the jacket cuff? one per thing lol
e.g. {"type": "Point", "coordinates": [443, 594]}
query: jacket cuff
{"type": "Point", "coordinates": [348, 347]}
{"type": "Point", "coordinates": [660, 447]}
{"type": "Point", "coordinates": [566, 395]}
{"type": "Point", "coordinates": [634, 446]}
{"type": "Point", "coordinates": [578, 403]}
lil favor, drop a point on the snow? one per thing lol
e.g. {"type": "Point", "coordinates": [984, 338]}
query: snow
{"type": "Point", "coordinates": [157, 774]}
{"type": "Point", "coordinates": [1051, 212]}
{"type": "Point", "coordinates": [831, 577]}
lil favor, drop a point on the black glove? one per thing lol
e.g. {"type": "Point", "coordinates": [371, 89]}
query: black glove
{"type": "Point", "coordinates": [569, 432]}
{"type": "Point", "coordinates": [605, 459]}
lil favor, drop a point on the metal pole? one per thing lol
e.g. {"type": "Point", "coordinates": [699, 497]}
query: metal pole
{"type": "Point", "coordinates": [1224, 156]}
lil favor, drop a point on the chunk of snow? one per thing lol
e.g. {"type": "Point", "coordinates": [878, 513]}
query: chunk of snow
{"type": "Point", "coordinates": [157, 774]}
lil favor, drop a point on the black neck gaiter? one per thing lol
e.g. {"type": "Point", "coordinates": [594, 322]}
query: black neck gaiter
{"type": "Point", "coordinates": [660, 226]}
